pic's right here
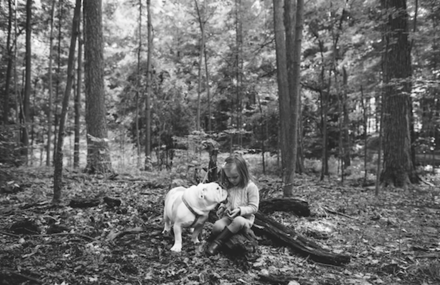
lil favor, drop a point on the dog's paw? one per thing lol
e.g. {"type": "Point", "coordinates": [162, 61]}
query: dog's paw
{"type": "Point", "coordinates": [176, 248]}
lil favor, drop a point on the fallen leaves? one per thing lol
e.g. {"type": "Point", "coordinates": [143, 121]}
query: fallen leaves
{"type": "Point", "coordinates": [393, 238]}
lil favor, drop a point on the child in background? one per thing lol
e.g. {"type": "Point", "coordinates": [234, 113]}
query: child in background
{"type": "Point", "coordinates": [242, 204]}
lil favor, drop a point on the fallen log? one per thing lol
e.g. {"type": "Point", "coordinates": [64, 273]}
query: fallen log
{"type": "Point", "coordinates": [84, 202]}
{"type": "Point", "coordinates": [267, 227]}
{"type": "Point", "coordinates": [280, 234]}
{"type": "Point", "coordinates": [292, 205]}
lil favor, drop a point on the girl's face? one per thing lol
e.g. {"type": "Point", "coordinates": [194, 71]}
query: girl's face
{"type": "Point", "coordinates": [232, 174]}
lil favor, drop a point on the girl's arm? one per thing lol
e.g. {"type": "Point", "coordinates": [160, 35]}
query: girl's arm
{"type": "Point", "coordinates": [253, 200]}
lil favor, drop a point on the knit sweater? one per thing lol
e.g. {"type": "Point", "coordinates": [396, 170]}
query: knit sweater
{"type": "Point", "coordinates": [247, 199]}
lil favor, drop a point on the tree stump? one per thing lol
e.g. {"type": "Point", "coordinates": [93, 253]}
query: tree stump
{"type": "Point", "coordinates": [212, 147]}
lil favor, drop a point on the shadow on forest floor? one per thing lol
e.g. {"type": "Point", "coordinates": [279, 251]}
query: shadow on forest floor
{"type": "Point", "coordinates": [392, 238]}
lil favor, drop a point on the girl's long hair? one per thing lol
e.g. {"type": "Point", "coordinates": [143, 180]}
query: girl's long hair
{"type": "Point", "coordinates": [242, 169]}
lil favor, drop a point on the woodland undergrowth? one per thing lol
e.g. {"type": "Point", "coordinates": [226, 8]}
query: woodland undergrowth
{"type": "Point", "coordinates": [391, 238]}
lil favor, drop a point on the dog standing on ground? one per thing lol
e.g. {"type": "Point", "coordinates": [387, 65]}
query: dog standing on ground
{"type": "Point", "coordinates": [189, 208]}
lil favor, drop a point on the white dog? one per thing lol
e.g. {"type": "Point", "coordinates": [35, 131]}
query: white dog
{"type": "Point", "coordinates": [189, 208]}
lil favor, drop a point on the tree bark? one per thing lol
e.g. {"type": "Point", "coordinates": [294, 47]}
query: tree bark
{"type": "Point", "coordinates": [199, 68]}
{"type": "Point", "coordinates": [28, 86]}
{"type": "Point", "coordinates": [78, 100]}
{"type": "Point", "coordinates": [202, 25]}
{"type": "Point", "coordinates": [283, 91]}
{"type": "Point", "coordinates": [57, 86]}
{"type": "Point", "coordinates": [296, 206]}
{"type": "Point", "coordinates": [280, 235]}
{"type": "Point", "coordinates": [70, 69]}
{"type": "Point", "coordinates": [239, 68]}
{"type": "Point", "coordinates": [293, 17]}
{"type": "Point", "coordinates": [398, 167]}
{"type": "Point", "coordinates": [98, 153]}
{"type": "Point", "coordinates": [49, 107]}
{"type": "Point", "coordinates": [148, 95]}
{"type": "Point", "coordinates": [9, 60]}
{"type": "Point", "coordinates": [139, 87]}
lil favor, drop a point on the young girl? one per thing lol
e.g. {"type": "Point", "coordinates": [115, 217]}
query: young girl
{"type": "Point", "coordinates": [243, 200]}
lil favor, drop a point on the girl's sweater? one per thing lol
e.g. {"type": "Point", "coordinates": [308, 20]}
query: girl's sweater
{"type": "Point", "coordinates": [247, 199]}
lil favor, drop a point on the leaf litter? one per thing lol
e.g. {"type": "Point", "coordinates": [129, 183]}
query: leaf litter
{"type": "Point", "coordinates": [392, 238]}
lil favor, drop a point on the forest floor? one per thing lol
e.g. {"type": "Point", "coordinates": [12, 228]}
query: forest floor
{"type": "Point", "coordinates": [392, 238]}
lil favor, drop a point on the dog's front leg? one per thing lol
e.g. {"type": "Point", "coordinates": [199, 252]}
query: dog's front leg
{"type": "Point", "coordinates": [196, 233]}
{"type": "Point", "coordinates": [177, 247]}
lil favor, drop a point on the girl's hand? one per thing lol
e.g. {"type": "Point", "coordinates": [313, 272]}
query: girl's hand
{"type": "Point", "coordinates": [233, 213]}
{"type": "Point", "coordinates": [220, 211]}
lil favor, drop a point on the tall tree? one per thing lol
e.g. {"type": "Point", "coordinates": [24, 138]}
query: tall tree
{"type": "Point", "coordinates": [398, 168]}
{"type": "Point", "coordinates": [58, 85]}
{"type": "Point", "coordinates": [288, 39]}
{"type": "Point", "coordinates": [139, 89]}
{"type": "Point", "coordinates": [28, 84]}
{"type": "Point", "coordinates": [58, 161]}
{"type": "Point", "coordinates": [283, 94]}
{"type": "Point", "coordinates": [9, 58]}
{"type": "Point", "coordinates": [199, 67]}
{"type": "Point", "coordinates": [78, 99]}
{"type": "Point", "coordinates": [293, 18]}
{"type": "Point", "coordinates": [98, 152]}
{"type": "Point", "coordinates": [149, 83]}
{"type": "Point", "coordinates": [49, 108]}
{"type": "Point", "coordinates": [239, 61]}
{"type": "Point", "coordinates": [283, 89]}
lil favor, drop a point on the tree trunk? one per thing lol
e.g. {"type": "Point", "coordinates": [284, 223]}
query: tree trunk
{"type": "Point", "coordinates": [57, 86]}
{"type": "Point", "coordinates": [28, 86]}
{"type": "Point", "coordinates": [346, 122]}
{"type": "Point", "coordinates": [70, 70]}
{"type": "Point", "coordinates": [49, 107]}
{"type": "Point", "coordinates": [202, 24]}
{"type": "Point", "coordinates": [365, 127]}
{"type": "Point", "coordinates": [9, 60]}
{"type": "Point", "coordinates": [78, 101]}
{"type": "Point", "coordinates": [139, 88]}
{"type": "Point", "coordinates": [398, 168]}
{"type": "Point", "coordinates": [148, 96]}
{"type": "Point", "coordinates": [199, 85]}
{"type": "Point", "coordinates": [208, 89]}
{"type": "Point", "coordinates": [98, 153]}
{"type": "Point", "coordinates": [294, 27]}
{"type": "Point", "coordinates": [199, 68]}
{"type": "Point", "coordinates": [283, 92]}
{"type": "Point", "coordinates": [325, 98]}
{"type": "Point", "coordinates": [239, 67]}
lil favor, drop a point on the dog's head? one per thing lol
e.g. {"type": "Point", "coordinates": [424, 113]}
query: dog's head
{"type": "Point", "coordinates": [212, 193]}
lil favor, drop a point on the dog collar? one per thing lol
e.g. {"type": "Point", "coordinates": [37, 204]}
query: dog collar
{"type": "Point", "coordinates": [197, 215]}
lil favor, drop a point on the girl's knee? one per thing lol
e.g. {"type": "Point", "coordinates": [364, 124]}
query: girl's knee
{"type": "Point", "coordinates": [238, 223]}
{"type": "Point", "coordinates": [219, 225]}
